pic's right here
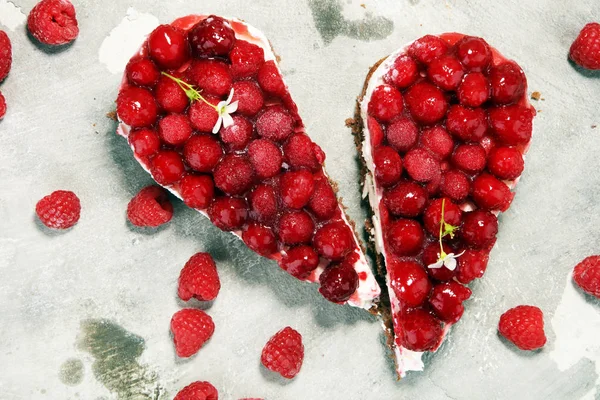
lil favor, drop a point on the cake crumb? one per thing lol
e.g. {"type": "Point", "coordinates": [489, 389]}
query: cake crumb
{"type": "Point", "coordinates": [112, 115]}
{"type": "Point", "coordinates": [594, 126]}
{"type": "Point", "coordinates": [363, 5]}
{"type": "Point", "coordinates": [536, 96]}
{"type": "Point", "coordinates": [350, 122]}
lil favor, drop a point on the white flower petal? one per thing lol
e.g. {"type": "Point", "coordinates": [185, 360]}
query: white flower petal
{"type": "Point", "coordinates": [230, 96]}
{"type": "Point", "coordinates": [460, 254]}
{"type": "Point", "coordinates": [227, 120]}
{"type": "Point", "coordinates": [437, 265]}
{"type": "Point", "coordinates": [217, 126]}
{"type": "Point", "coordinates": [231, 108]}
{"type": "Point", "coordinates": [221, 107]}
{"type": "Point", "coordinates": [450, 263]}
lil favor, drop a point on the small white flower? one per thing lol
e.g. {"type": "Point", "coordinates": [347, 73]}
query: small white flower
{"type": "Point", "coordinates": [224, 109]}
{"type": "Point", "coordinates": [446, 260]}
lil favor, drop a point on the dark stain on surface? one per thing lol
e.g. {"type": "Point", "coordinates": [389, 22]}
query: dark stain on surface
{"type": "Point", "coordinates": [71, 372]}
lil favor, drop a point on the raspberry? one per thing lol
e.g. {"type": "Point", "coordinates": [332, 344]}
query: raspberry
{"type": "Point", "coordinates": [333, 241]}
{"type": "Point", "coordinates": [338, 282]}
{"type": "Point", "coordinates": [410, 282]}
{"type": "Point", "coordinates": [506, 162]}
{"type": "Point", "coordinates": [260, 238]}
{"type": "Point", "coordinates": [491, 194]}
{"type": "Point", "coordinates": [446, 72]}
{"type": "Point", "coordinates": [263, 203]}
{"type": "Point", "coordinates": [53, 22]}
{"type": "Point", "coordinates": [150, 207]}
{"type": "Point", "coordinates": [59, 210]}
{"type": "Point", "coordinates": [170, 97]}
{"type": "Point", "coordinates": [197, 190]}
{"type": "Point", "coordinates": [234, 174]}
{"type": "Point", "coordinates": [587, 275]}
{"type": "Point", "coordinates": [386, 103]}
{"type": "Point", "coordinates": [420, 165]}
{"type": "Point", "coordinates": [474, 90]}
{"type": "Point", "coordinates": [202, 152]}
{"type": "Point", "coordinates": [300, 261]}
{"type": "Point", "coordinates": [284, 353]}
{"type": "Point", "coordinates": [295, 227]}
{"type": "Point", "coordinates": [523, 326]}
{"type": "Point", "coordinates": [508, 83]}
{"type": "Point", "coordinates": [479, 228]}
{"type": "Point", "coordinates": [403, 74]}
{"type": "Point", "coordinates": [212, 37]}
{"type": "Point", "coordinates": [237, 135]}
{"type": "Point", "coordinates": [402, 135]}
{"type": "Point", "coordinates": [471, 265]}
{"type": "Point", "coordinates": [296, 188]}
{"type": "Point", "coordinates": [136, 107]}
{"type": "Point", "coordinates": [455, 185]}
{"type": "Point", "coordinates": [199, 279]}
{"type": "Point", "coordinates": [2, 106]}
{"type": "Point", "coordinates": [228, 213]}
{"type": "Point", "coordinates": [388, 166]}
{"type": "Point", "coordinates": [420, 331]}
{"type": "Point", "coordinates": [323, 202]}
{"type": "Point", "coordinates": [246, 59]}
{"type": "Point", "coordinates": [431, 254]}
{"type": "Point", "coordinates": [300, 152]}
{"type": "Point", "coordinates": [191, 328]}
{"type": "Point", "coordinates": [426, 103]}
{"type": "Point", "coordinates": [198, 391]}
{"type": "Point", "coordinates": [438, 141]}
{"type": "Point", "coordinates": [446, 301]}
{"type": "Point", "coordinates": [467, 124]}
{"type": "Point", "coordinates": [433, 215]}
{"type": "Point", "coordinates": [375, 131]}
{"type": "Point", "coordinates": [175, 129]}
{"type": "Point", "coordinates": [474, 53]}
{"type": "Point", "coordinates": [585, 50]}
{"type": "Point", "coordinates": [512, 124]}
{"type": "Point", "coordinates": [5, 55]}
{"type": "Point", "coordinates": [270, 79]}
{"type": "Point", "coordinates": [202, 116]}
{"type": "Point", "coordinates": [211, 76]}
{"type": "Point", "coordinates": [265, 157]}
{"type": "Point", "coordinates": [142, 72]}
{"type": "Point", "coordinates": [168, 47]}
{"type": "Point", "coordinates": [249, 97]}
{"type": "Point", "coordinates": [407, 199]}
{"type": "Point", "coordinates": [145, 142]}
{"type": "Point", "coordinates": [428, 48]}
{"type": "Point", "coordinates": [167, 167]}
{"type": "Point", "coordinates": [469, 158]}
{"type": "Point", "coordinates": [275, 123]}
{"type": "Point", "coordinates": [405, 237]}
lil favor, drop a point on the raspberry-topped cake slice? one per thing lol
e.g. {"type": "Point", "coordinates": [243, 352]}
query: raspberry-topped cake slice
{"type": "Point", "coordinates": [207, 113]}
{"type": "Point", "coordinates": [443, 126]}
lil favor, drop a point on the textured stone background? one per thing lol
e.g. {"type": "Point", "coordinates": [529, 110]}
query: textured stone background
{"type": "Point", "coordinates": [85, 314]}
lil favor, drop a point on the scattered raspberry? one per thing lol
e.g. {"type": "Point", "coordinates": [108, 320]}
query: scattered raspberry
{"type": "Point", "coordinates": [150, 207]}
{"type": "Point", "coordinates": [53, 22]}
{"type": "Point", "coordinates": [191, 328]}
{"type": "Point", "coordinates": [587, 275]}
{"type": "Point", "coordinates": [2, 106]}
{"type": "Point", "coordinates": [59, 210]}
{"type": "Point", "coordinates": [585, 50]}
{"type": "Point", "coordinates": [524, 326]}
{"type": "Point", "coordinates": [284, 353]}
{"type": "Point", "coordinates": [199, 278]}
{"type": "Point", "coordinates": [198, 391]}
{"type": "Point", "coordinates": [5, 55]}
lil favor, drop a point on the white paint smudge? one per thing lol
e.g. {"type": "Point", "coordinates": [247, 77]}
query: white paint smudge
{"type": "Point", "coordinates": [125, 39]}
{"type": "Point", "coordinates": [11, 15]}
{"type": "Point", "coordinates": [576, 324]}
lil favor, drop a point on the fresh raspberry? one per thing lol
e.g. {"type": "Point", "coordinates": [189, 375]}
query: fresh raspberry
{"type": "Point", "coordinates": [426, 103]}
{"type": "Point", "coordinates": [300, 261]}
{"type": "Point", "coordinates": [388, 166]}
{"type": "Point", "coordinates": [491, 194]}
{"type": "Point", "coordinates": [53, 22]}
{"type": "Point", "coordinates": [300, 152]}
{"type": "Point", "coordinates": [211, 76]}
{"type": "Point", "coordinates": [296, 188]}
{"type": "Point", "coordinates": [295, 227]}
{"type": "Point", "coordinates": [170, 97]}
{"type": "Point", "coordinates": [402, 134]}
{"type": "Point", "coordinates": [265, 157]}
{"type": "Point", "coordinates": [446, 301]}
{"type": "Point", "coordinates": [420, 165]}
{"type": "Point", "coordinates": [375, 131]}
{"type": "Point", "coordinates": [199, 279]}
{"type": "Point", "coordinates": [202, 152]}
{"type": "Point", "coordinates": [467, 124]}
{"type": "Point", "coordinates": [191, 328]}
{"type": "Point", "coordinates": [275, 123]}
{"type": "Point", "coordinates": [246, 59]}
{"type": "Point", "coordinates": [420, 331]}
{"type": "Point", "coordinates": [488, 142]}
{"type": "Point", "coordinates": [455, 185]}
{"type": "Point", "coordinates": [136, 107]}
{"type": "Point", "coordinates": [409, 282]}
{"type": "Point", "coordinates": [197, 190]}
{"type": "Point", "coordinates": [403, 74]}
{"type": "Point", "coordinates": [433, 186]}
{"type": "Point", "coordinates": [249, 97]}
{"type": "Point", "coordinates": [198, 391]}
{"type": "Point", "coordinates": [406, 199]}
{"type": "Point", "coordinates": [145, 142]}
{"type": "Point", "coordinates": [338, 282]}
{"type": "Point", "coordinates": [438, 141]}
{"type": "Point", "coordinates": [260, 238]}
{"type": "Point", "coordinates": [523, 326]}
{"type": "Point", "coordinates": [5, 55]}
{"type": "Point", "coordinates": [203, 116]}
{"type": "Point", "coordinates": [212, 37]}
{"type": "Point", "coordinates": [270, 79]}
{"type": "Point", "coordinates": [59, 210]}
{"type": "Point", "coordinates": [471, 265]}
{"type": "Point", "coordinates": [585, 50]}
{"type": "Point", "coordinates": [405, 237]}
{"type": "Point", "coordinates": [237, 135]}
{"type": "Point", "coordinates": [474, 90]}
{"type": "Point", "coordinates": [512, 124]}
{"type": "Point", "coordinates": [323, 202]}
{"type": "Point", "coordinates": [508, 83]}
{"type": "Point", "coordinates": [284, 353]}
{"type": "Point", "coordinates": [433, 215]}
{"type": "Point", "coordinates": [167, 167]}
{"type": "Point", "coordinates": [142, 72]}
{"type": "Point", "coordinates": [228, 213]}
{"type": "Point", "coordinates": [263, 203]}
{"type": "Point", "coordinates": [430, 255]}
{"type": "Point", "coordinates": [446, 72]}
{"type": "Point", "coordinates": [469, 158]}
{"type": "Point", "coordinates": [168, 47]}
{"type": "Point", "coordinates": [479, 228]}
{"type": "Point", "coordinates": [587, 275]}
{"type": "Point", "coordinates": [150, 207]}
{"type": "Point", "coordinates": [506, 162]}
{"type": "Point", "coordinates": [234, 174]}
{"type": "Point", "coordinates": [175, 129]}
{"type": "Point", "coordinates": [333, 241]}
{"type": "Point", "coordinates": [386, 103]}
{"type": "Point", "coordinates": [428, 48]}
{"type": "Point", "coordinates": [2, 106]}
{"type": "Point", "coordinates": [474, 53]}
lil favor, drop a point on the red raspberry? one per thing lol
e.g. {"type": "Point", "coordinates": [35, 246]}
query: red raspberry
{"type": "Point", "coordinates": [587, 275]}
{"type": "Point", "coordinates": [150, 207]}
{"type": "Point", "coordinates": [491, 194]}
{"type": "Point", "coordinates": [300, 152]}
{"type": "Point", "coordinates": [59, 210]}
{"type": "Point", "coordinates": [438, 141]}
{"type": "Point", "coordinates": [275, 123]}
{"type": "Point", "coordinates": [388, 166]}
{"type": "Point", "coordinates": [471, 265]}
{"type": "Point", "coordinates": [270, 79]}
{"type": "Point", "coordinates": [263, 203]}
{"type": "Point", "coordinates": [136, 107]}
{"type": "Point", "coordinates": [474, 53]}
{"type": "Point", "coordinates": [142, 72]}
{"type": "Point", "coordinates": [333, 241]}
{"type": "Point", "coordinates": [585, 50]}
{"type": "Point", "coordinates": [300, 261]}
{"type": "Point", "coordinates": [203, 116]}
{"type": "Point", "coordinates": [212, 37]}
{"type": "Point", "coordinates": [433, 215]}
{"type": "Point", "coordinates": [433, 186]}
{"type": "Point", "coordinates": [523, 326]}
{"type": "Point", "coordinates": [145, 142]}
{"type": "Point", "coordinates": [211, 76]}
{"type": "Point", "coordinates": [237, 135]}
{"type": "Point", "coordinates": [249, 97]}
{"type": "Point", "coordinates": [479, 228]}
{"type": "Point", "coordinates": [446, 72]}
{"type": "Point", "coordinates": [512, 124]}
{"type": "Point", "coordinates": [474, 90]}
{"type": "Point", "coordinates": [202, 152]}
{"type": "Point", "coordinates": [296, 188]}
{"type": "Point", "coordinates": [431, 254]}
{"type": "Point", "coordinates": [469, 157]}
{"type": "Point", "coordinates": [295, 227]}
{"type": "Point", "coordinates": [386, 103]}
{"type": "Point", "coordinates": [246, 59]}
{"type": "Point", "coordinates": [405, 237]}
{"type": "Point", "coordinates": [53, 22]}
{"type": "Point", "coordinates": [407, 199]}
{"type": "Point", "coordinates": [284, 353]}
{"type": "Point", "coordinates": [375, 131]}
{"type": "Point", "coordinates": [323, 202]}
{"type": "Point", "coordinates": [428, 48]}
{"type": "Point", "coordinates": [506, 162]}
{"type": "Point", "coordinates": [2, 106]}
{"type": "Point", "coordinates": [426, 103]}
{"type": "Point", "coordinates": [260, 238]}
{"type": "Point", "coordinates": [508, 83]}
{"type": "Point", "coordinates": [198, 391]}
{"type": "Point", "coordinates": [168, 47]}
{"type": "Point", "coordinates": [167, 167]}
{"type": "Point", "coordinates": [403, 74]}
{"type": "Point", "coordinates": [420, 165]}
{"type": "Point", "coordinates": [228, 213]}
{"type": "Point", "coordinates": [5, 55]}
{"type": "Point", "coordinates": [197, 191]}
{"type": "Point", "coordinates": [191, 328]}
{"type": "Point", "coordinates": [338, 282]}
{"type": "Point", "coordinates": [420, 331]}
{"type": "Point", "coordinates": [467, 124]}
{"type": "Point", "coordinates": [455, 185]}
{"type": "Point", "coordinates": [265, 157]}
{"type": "Point", "coordinates": [170, 97]}
{"type": "Point", "coordinates": [175, 129]}
{"type": "Point", "coordinates": [409, 282]}
{"type": "Point", "coordinates": [402, 135]}
{"type": "Point", "coordinates": [446, 301]}
{"type": "Point", "coordinates": [234, 174]}
{"type": "Point", "coordinates": [199, 279]}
